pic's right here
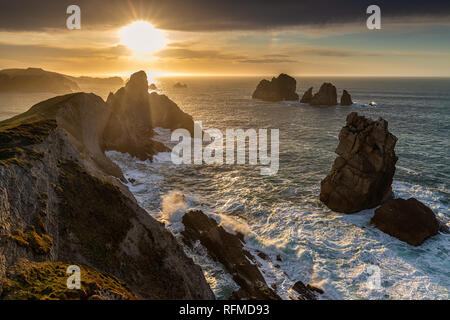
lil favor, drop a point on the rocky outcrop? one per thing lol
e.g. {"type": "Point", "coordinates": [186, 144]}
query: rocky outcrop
{"type": "Point", "coordinates": [228, 249]}
{"type": "Point", "coordinates": [304, 292]}
{"type": "Point", "coordinates": [60, 204]}
{"type": "Point", "coordinates": [326, 96]}
{"type": "Point", "coordinates": [346, 99]}
{"type": "Point", "coordinates": [307, 96]}
{"type": "Point", "coordinates": [152, 86]}
{"type": "Point", "coordinates": [278, 89]}
{"type": "Point", "coordinates": [408, 220]}
{"type": "Point", "coordinates": [134, 114]}
{"type": "Point", "coordinates": [362, 174]}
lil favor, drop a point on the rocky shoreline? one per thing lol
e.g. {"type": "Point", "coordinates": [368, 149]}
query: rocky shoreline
{"type": "Point", "coordinates": [62, 202]}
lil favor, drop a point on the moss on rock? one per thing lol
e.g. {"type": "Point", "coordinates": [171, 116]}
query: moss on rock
{"type": "Point", "coordinates": [16, 142]}
{"type": "Point", "coordinates": [28, 280]}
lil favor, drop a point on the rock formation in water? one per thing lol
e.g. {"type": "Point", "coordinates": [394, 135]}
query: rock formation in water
{"type": "Point", "coordinates": [307, 96]}
{"type": "Point", "coordinates": [326, 96]}
{"type": "Point", "coordinates": [346, 99]}
{"type": "Point", "coordinates": [60, 205]}
{"type": "Point", "coordinates": [228, 249]}
{"type": "Point", "coordinates": [134, 114]}
{"type": "Point", "coordinates": [408, 220]}
{"type": "Point", "coordinates": [152, 86]}
{"type": "Point", "coordinates": [362, 174]}
{"type": "Point", "coordinates": [278, 89]}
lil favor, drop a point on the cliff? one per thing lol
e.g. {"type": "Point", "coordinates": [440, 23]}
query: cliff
{"type": "Point", "coordinates": [60, 205]}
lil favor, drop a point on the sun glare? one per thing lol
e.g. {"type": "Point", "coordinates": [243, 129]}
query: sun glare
{"type": "Point", "coordinates": [142, 37]}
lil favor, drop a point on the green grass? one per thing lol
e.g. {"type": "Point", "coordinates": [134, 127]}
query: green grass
{"type": "Point", "coordinates": [16, 142]}
{"type": "Point", "coordinates": [29, 280]}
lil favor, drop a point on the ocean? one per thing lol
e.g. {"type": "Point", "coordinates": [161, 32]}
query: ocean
{"type": "Point", "coordinates": [281, 215]}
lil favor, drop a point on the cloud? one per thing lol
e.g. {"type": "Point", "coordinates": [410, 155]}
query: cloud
{"type": "Point", "coordinates": [46, 53]}
{"type": "Point", "coordinates": [181, 53]}
{"type": "Point", "coordinates": [211, 15]}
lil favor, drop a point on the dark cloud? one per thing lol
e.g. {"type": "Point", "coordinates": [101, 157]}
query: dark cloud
{"type": "Point", "coordinates": [209, 15]}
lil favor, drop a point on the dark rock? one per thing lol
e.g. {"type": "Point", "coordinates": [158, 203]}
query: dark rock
{"type": "Point", "coordinates": [346, 99]}
{"type": "Point", "coordinates": [135, 113]}
{"type": "Point", "coordinates": [314, 288]}
{"type": "Point", "coordinates": [307, 96]}
{"type": "Point", "coordinates": [361, 176]}
{"type": "Point", "coordinates": [131, 180]}
{"type": "Point", "coordinates": [262, 255]}
{"type": "Point", "coordinates": [279, 258]}
{"type": "Point", "coordinates": [326, 96]}
{"type": "Point", "coordinates": [304, 292]}
{"type": "Point", "coordinates": [278, 89]}
{"type": "Point", "coordinates": [153, 87]}
{"type": "Point", "coordinates": [408, 220]}
{"type": "Point", "coordinates": [227, 249]}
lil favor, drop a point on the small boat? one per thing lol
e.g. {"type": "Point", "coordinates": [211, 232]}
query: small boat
{"type": "Point", "coordinates": [373, 104]}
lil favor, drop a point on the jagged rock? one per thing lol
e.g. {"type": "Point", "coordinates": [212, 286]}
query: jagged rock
{"type": "Point", "coordinates": [278, 89]}
{"type": "Point", "coordinates": [228, 249]}
{"type": "Point", "coordinates": [315, 288]}
{"type": "Point", "coordinates": [408, 220]}
{"type": "Point", "coordinates": [362, 174]}
{"type": "Point", "coordinates": [135, 113]}
{"type": "Point", "coordinates": [74, 211]}
{"type": "Point", "coordinates": [326, 96]}
{"type": "Point", "coordinates": [346, 99]}
{"type": "Point", "coordinates": [307, 96]}
{"type": "Point", "coordinates": [304, 292]}
{"type": "Point", "coordinates": [153, 86]}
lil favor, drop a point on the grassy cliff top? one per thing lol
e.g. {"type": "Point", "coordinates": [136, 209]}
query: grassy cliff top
{"type": "Point", "coordinates": [29, 280]}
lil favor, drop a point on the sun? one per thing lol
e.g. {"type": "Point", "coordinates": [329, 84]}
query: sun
{"type": "Point", "coordinates": [142, 37]}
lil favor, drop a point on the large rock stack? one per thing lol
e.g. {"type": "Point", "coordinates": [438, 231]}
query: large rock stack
{"type": "Point", "coordinates": [135, 113]}
{"type": "Point", "coordinates": [326, 96]}
{"type": "Point", "coordinates": [278, 89]}
{"type": "Point", "coordinates": [362, 174]}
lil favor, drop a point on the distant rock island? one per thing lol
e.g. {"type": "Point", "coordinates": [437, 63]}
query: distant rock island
{"type": "Point", "coordinates": [327, 96]}
{"type": "Point", "coordinates": [180, 85]}
{"type": "Point", "coordinates": [34, 80]}
{"type": "Point", "coordinates": [280, 88]}
{"type": "Point", "coordinates": [153, 86]}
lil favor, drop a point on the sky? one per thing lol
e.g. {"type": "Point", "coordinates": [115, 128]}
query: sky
{"type": "Point", "coordinates": [208, 37]}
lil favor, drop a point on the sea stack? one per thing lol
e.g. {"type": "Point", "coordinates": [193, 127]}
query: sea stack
{"type": "Point", "coordinates": [135, 113]}
{"type": "Point", "coordinates": [326, 96]}
{"type": "Point", "coordinates": [362, 174]}
{"type": "Point", "coordinates": [408, 220]}
{"type": "Point", "coordinates": [278, 89]}
{"type": "Point", "coordinates": [346, 99]}
{"type": "Point", "coordinates": [307, 96]}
